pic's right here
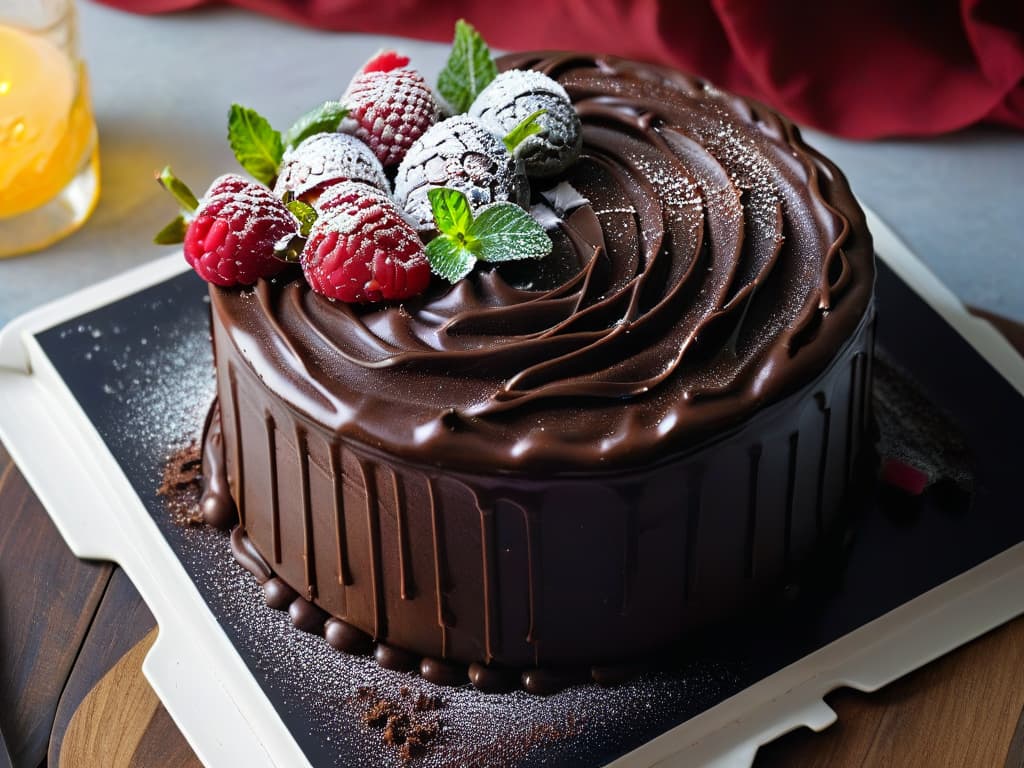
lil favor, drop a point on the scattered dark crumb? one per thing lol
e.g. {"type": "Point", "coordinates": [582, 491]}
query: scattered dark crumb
{"type": "Point", "coordinates": [181, 484]}
{"type": "Point", "coordinates": [425, 703]}
{"type": "Point", "coordinates": [394, 731]}
{"type": "Point", "coordinates": [418, 737]}
{"type": "Point", "coordinates": [379, 713]}
{"type": "Point", "coordinates": [409, 723]}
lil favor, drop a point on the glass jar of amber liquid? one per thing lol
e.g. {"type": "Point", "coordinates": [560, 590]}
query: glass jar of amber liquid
{"type": "Point", "coordinates": [49, 170]}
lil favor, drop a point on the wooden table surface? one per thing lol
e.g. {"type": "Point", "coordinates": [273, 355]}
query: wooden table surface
{"type": "Point", "coordinates": [73, 635]}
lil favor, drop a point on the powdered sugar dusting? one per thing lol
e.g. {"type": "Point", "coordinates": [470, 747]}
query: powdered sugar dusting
{"type": "Point", "coordinates": [749, 169]}
{"type": "Point", "coordinates": [148, 363]}
{"type": "Point", "coordinates": [327, 158]}
{"type": "Point", "coordinates": [389, 111]}
{"type": "Point", "coordinates": [460, 153]}
{"type": "Point", "coordinates": [321, 688]}
{"type": "Point", "coordinates": [679, 196]}
{"type": "Point", "coordinates": [515, 95]}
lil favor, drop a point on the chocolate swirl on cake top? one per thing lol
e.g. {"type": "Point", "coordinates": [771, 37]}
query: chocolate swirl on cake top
{"type": "Point", "coordinates": [717, 266]}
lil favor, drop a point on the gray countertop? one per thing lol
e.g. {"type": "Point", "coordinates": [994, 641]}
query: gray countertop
{"type": "Point", "coordinates": [161, 87]}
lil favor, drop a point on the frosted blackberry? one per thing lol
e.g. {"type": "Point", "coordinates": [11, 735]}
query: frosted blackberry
{"type": "Point", "coordinates": [463, 154]}
{"type": "Point", "coordinates": [512, 97]}
{"type": "Point", "coordinates": [326, 159]}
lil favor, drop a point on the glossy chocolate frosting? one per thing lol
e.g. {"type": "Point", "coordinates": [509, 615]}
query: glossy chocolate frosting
{"type": "Point", "coordinates": [716, 266]}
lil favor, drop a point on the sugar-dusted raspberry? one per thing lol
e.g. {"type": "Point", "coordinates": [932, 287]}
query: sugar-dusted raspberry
{"type": "Point", "coordinates": [232, 237]}
{"type": "Point", "coordinates": [361, 250]}
{"type": "Point", "coordinates": [515, 95]}
{"type": "Point", "coordinates": [463, 154]}
{"type": "Point", "coordinates": [385, 61]}
{"type": "Point", "coordinates": [389, 110]}
{"type": "Point", "coordinates": [325, 159]}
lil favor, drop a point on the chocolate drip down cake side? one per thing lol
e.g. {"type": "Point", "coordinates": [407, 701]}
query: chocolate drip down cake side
{"type": "Point", "coordinates": [506, 470]}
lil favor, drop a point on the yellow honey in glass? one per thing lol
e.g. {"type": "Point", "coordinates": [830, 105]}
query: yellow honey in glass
{"type": "Point", "coordinates": [48, 158]}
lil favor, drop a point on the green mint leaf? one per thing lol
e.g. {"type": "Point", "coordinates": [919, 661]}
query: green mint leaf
{"type": "Point", "coordinates": [524, 130]}
{"type": "Point", "coordinates": [256, 145]}
{"type": "Point", "coordinates": [469, 69]}
{"type": "Point", "coordinates": [178, 189]}
{"type": "Point", "coordinates": [172, 233]}
{"type": "Point", "coordinates": [323, 119]}
{"type": "Point", "coordinates": [505, 232]}
{"type": "Point", "coordinates": [451, 211]}
{"type": "Point", "coordinates": [305, 213]}
{"type": "Point", "coordinates": [449, 259]}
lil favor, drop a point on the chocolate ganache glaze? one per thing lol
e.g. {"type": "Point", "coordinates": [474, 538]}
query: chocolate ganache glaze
{"type": "Point", "coordinates": [581, 459]}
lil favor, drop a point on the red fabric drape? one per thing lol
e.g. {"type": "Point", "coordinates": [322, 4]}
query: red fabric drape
{"type": "Point", "coordinates": [862, 69]}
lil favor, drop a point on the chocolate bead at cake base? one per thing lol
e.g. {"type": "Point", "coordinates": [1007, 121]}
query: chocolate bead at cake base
{"type": "Point", "coordinates": [216, 506]}
{"type": "Point", "coordinates": [443, 673]}
{"type": "Point", "coordinates": [544, 682]}
{"type": "Point", "coordinates": [390, 657]}
{"type": "Point", "coordinates": [343, 636]}
{"type": "Point", "coordinates": [306, 616]}
{"type": "Point", "coordinates": [216, 513]}
{"type": "Point", "coordinates": [493, 679]}
{"type": "Point", "coordinates": [277, 594]}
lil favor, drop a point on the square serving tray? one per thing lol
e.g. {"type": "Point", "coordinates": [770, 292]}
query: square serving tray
{"type": "Point", "coordinates": [99, 388]}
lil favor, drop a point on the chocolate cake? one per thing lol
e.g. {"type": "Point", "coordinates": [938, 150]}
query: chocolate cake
{"type": "Point", "coordinates": [575, 462]}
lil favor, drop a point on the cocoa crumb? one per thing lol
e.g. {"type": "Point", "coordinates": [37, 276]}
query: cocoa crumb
{"type": "Point", "coordinates": [378, 714]}
{"type": "Point", "coordinates": [425, 703]}
{"type": "Point", "coordinates": [181, 484]}
{"type": "Point", "coordinates": [407, 722]}
{"type": "Point", "coordinates": [418, 737]}
{"type": "Point", "coordinates": [394, 731]}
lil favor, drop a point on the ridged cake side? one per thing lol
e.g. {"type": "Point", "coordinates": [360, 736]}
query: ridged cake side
{"type": "Point", "coordinates": [531, 571]}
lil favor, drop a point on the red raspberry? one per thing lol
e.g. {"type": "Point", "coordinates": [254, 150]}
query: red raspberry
{"type": "Point", "coordinates": [232, 237]}
{"type": "Point", "coordinates": [360, 248]}
{"type": "Point", "coordinates": [385, 61]}
{"type": "Point", "coordinates": [389, 110]}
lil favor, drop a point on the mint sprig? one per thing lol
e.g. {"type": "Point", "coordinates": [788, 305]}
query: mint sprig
{"type": "Point", "coordinates": [499, 232]}
{"type": "Point", "coordinates": [175, 231]}
{"type": "Point", "coordinates": [322, 119]}
{"type": "Point", "coordinates": [178, 189]}
{"type": "Point", "coordinates": [524, 130]}
{"type": "Point", "coordinates": [257, 146]}
{"type": "Point", "coordinates": [304, 213]}
{"type": "Point", "coordinates": [469, 68]}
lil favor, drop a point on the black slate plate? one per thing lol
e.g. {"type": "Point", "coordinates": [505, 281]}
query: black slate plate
{"type": "Point", "coordinates": [141, 370]}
